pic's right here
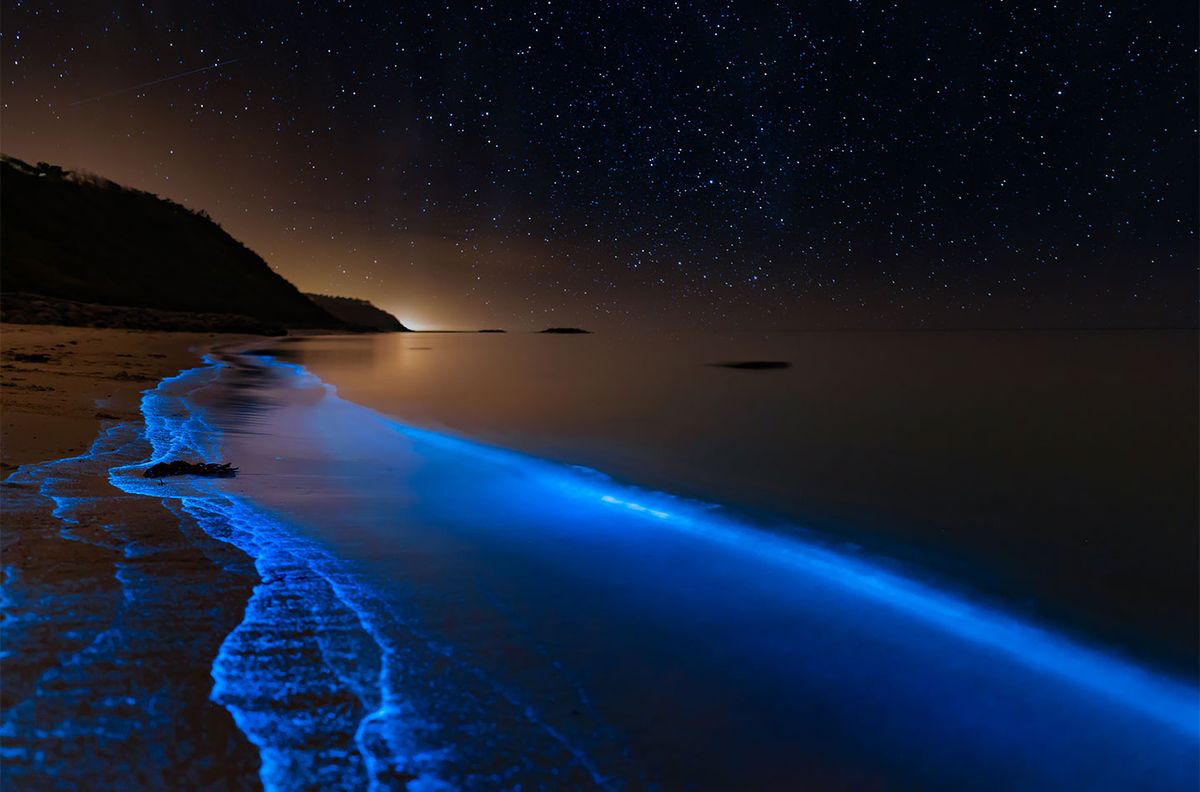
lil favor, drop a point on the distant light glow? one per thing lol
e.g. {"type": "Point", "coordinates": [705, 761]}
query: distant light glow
{"type": "Point", "coordinates": [412, 322]}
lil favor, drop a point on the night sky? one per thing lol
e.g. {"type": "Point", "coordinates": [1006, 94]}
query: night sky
{"type": "Point", "coordinates": [747, 165]}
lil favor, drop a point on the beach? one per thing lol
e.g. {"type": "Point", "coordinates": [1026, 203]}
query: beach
{"type": "Point", "coordinates": [373, 603]}
{"type": "Point", "coordinates": [113, 608]}
{"type": "Point", "coordinates": [416, 397]}
{"type": "Point", "coordinates": [55, 408]}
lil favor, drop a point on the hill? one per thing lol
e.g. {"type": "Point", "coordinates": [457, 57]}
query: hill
{"type": "Point", "coordinates": [85, 239]}
{"type": "Point", "coordinates": [357, 313]}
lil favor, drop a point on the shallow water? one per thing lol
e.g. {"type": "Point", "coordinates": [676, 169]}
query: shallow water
{"type": "Point", "coordinates": [460, 614]}
{"type": "Point", "coordinates": [112, 609]}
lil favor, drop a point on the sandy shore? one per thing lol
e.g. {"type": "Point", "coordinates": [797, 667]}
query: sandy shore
{"type": "Point", "coordinates": [54, 407]}
{"type": "Point", "coordinates": [114, 606]}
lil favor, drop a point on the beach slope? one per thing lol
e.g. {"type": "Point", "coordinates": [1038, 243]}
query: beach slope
{"type": "Point", "coordinates": [113, 606]}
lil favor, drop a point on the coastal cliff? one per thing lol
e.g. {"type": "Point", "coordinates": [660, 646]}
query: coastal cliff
{"type": "Point", "coordinates": [66, 236]}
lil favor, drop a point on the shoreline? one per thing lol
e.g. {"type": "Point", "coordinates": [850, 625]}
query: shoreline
{"type": "Point", "coordinates": [233, 626]}
{"type": "Point", "coordinates": [137, 611]}
{"type": "Point", "coordinates": [632, 519]}
{"type": "Point", "coordinates": [56, 407]}
{"type": "Point", "coordinates": [117, 602]}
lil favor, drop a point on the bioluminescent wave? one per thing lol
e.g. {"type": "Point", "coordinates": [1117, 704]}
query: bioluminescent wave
{"type": "Point", "coordinates": [430, 612]}
{"type": "Point", "coordinates": [108, 633]}
{"type": "Point", "coordinates": [1173, 703]}
{"type": "Point", "coordinates": [305, 675]}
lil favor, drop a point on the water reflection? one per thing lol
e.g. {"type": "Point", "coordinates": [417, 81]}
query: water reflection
{"type": "Point", "coordinates": [1057, 471]}
{"type": "Point", "coordinates": [549, 622]}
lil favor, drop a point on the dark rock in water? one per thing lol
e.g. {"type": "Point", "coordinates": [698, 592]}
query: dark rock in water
{"type": "Point", "coordinates": [27, 357]}
{"type": "Point", "coordinates": [754, 364]}
{"type": "Point", "coordinates": [181, 467]}
{"type": "Point", "coordinates": [565, 330]}
{"type": "Point", "coordinates": [493, 331]}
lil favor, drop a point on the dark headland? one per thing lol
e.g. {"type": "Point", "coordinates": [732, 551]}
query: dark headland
{"type": "Point", "coordinates": [80, 250]}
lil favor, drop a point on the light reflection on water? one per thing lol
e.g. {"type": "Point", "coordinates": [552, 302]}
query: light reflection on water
{"type": "Point", "coordinates": [1056, 471]}
{"type": "Point", "coordinates": [555, 624]}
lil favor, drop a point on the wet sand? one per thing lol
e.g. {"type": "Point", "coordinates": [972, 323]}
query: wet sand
{"type": "Point", "coordinates": [55, 408]}
{"type": "Point", "coordinates": [113, 606]}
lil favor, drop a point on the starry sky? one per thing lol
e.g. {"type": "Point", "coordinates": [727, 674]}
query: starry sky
{"type": "Point", "coordinates": [662, 164]}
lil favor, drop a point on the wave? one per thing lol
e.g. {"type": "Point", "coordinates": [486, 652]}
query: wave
{"type": "Point", "coordinates": [318, 673]}
{"type": "Point", "coordinates": [112, 608]}
{"type": "Point", "coordinates": [306, 674]}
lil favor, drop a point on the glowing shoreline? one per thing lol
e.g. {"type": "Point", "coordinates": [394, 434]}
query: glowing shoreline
{"type": "Point", "coordinates": [1168, 701]}
{"type": "Point", "coordinates": [173, 432]}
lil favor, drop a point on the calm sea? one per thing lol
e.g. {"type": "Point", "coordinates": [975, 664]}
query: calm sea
{"type": "Point", "coordinates": [1055, 470]}
{"type": "Point", "coordinates": [916, 560]}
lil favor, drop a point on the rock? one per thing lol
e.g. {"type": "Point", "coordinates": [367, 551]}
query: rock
{"type": "Point", "coordinates": [181, 467]}
{"type": "Point", "coordinates": [754, 364]}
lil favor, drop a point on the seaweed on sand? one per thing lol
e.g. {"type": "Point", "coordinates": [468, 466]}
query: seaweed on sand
{"type": "Point", "coordinates": [181, 467]}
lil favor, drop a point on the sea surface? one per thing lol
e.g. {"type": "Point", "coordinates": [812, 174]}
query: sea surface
{"type": "Point", "coordinates": [501, 561]}
{"type": "Point", "coordinates": [1056, 471]}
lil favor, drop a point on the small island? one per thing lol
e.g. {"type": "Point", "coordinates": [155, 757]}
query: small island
{"type": "Point", "coordinates": [566, 330]}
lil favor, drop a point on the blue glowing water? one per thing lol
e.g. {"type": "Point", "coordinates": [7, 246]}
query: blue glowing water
{"type": "Point", "coordinates": [112, 610]}
{"type": "Point", "coordinates": [436, 613]}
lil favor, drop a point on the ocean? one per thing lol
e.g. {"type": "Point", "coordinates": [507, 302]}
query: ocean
{"type": "Point", "coordinates": [517, 561]}
{"type": "Point", "coordinates": [1056, 471]}
{"type": "Point", "coordinates": [501, 561]}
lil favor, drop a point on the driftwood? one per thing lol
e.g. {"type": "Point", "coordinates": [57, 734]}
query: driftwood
{"type": "Point", "coordinates": [183, 468]}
